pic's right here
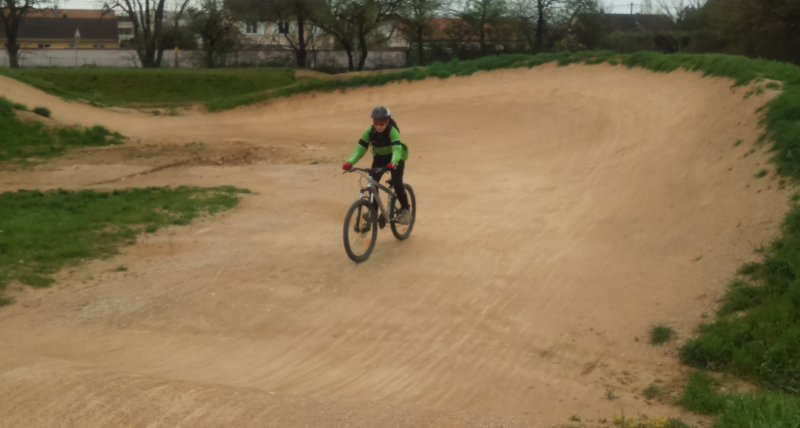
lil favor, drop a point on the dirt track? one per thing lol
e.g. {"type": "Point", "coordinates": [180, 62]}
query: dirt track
{"type": "Point", "coordinates": [562, 213]}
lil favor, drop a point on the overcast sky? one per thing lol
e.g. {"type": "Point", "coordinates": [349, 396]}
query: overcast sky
{"type": "Point", "coordinates": [611, 6]}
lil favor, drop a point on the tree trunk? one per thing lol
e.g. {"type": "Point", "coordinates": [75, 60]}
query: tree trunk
{"type": "Point", "coordinates": [146, 49]}
{"type": "Point", "coordinates": [158, 25]}
{"type": "Point", "coordinates": [482, 35]}
{"type": "Point", "coordinates": [540, 22]}
{"type": "Point", "coordinates": [420, 48]}
{"type": "Point", "coordinates": [11, 23]}
{"type": "Point", "coordinates": [148, 55]}
{"type": "Point", "coordinates": [159, 56]}
{"type": "Point", "coordinates": [529, 35]}
{"type": "Point", "coordinates": [13, 52]}
{"type": "Point", "coordinates": [349, 51]}
{"type": "Point", "coordinates": [300, 52]}
{"type": "Point", "coordinates": [362, 48]}
{"type": "Point", "coordinates": [210, 55]}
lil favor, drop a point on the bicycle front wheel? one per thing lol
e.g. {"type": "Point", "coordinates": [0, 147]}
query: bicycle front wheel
{"type": "Point", "coordinates": [360, 231]}
{"type": "Point", "coordinates": [403, 231]}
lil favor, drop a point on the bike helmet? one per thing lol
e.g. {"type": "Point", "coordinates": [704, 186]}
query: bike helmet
{"type": "Point", "coordinates": [381, 112]}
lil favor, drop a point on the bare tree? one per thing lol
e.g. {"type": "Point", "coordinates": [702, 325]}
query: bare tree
{"type": "Point", "coordinates": [13, 13]}
{"type": "Point", "coordinates": [333, 18]}
{"type": "Point", "coordinates": [352, 22]}
{"type": "Point", "coordinates": [300, 37]}
{"type": "Point", "coordinates": [679, 10]}
{"type": "Point", "coordinates": [533, 18]}
{"type": "Point", "coordinates": [415, 18]}
{"type": "Point", "coordinates": [148, 26]}
{"type": "Point", "coordinates": [301, 11]}
{"type": "Point", "coordinates": [369, 16]}
{"type": "Point", "coordinates": [545, 22]}
{"type": "Point", "coordinates": [480, 14]}
{"type": "Point", "coordinates": [218, 32]}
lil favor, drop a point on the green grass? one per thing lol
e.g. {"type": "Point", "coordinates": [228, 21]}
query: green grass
{"type": "Point", "coordinates": [734, 410]}
{"type": "Point", "coordinates": [756, 334]}
{"type": "Point", "coordinates": [41, 232]}
{"type": "Point", "coordinates": [652, 392]}
{"type": "Point", "coordinates": [634, 422]}
{"type": "Point", "coordinates": [42, 111]}
{"type": "Point", "coordinates": [700, 395]}
{"type": "Point", "coordinates": [20, 141]}
{"type": "Point", "coordinates": [760, 410]}
{"type": "Point", "coordinates": [117, 86]}
{"type": "Point", "coordinates": [660, 335]}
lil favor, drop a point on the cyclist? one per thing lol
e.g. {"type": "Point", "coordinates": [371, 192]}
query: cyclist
{"type": "Point", "coordinates": [388, 152]}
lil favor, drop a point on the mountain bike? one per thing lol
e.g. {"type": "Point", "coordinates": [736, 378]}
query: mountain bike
{"type": "Point", "coordinates": [368, 214]}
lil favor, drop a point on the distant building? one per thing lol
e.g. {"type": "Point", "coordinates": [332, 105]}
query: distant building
{"type": "Point", "coordinates": [67, 29]}
{"type": "Point", "coordinates": [124, 31]}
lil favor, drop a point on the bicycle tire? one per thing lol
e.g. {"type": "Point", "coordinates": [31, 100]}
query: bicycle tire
{"type": "Point", "coordinates": [365, 235]}
{"type": "Point", "coordinates": [401, 231]}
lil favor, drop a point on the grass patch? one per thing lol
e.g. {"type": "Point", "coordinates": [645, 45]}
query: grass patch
{"type": "Point", "coordinates": [761, 174]}
{"type": "Point", "coordinates": [629, 422]}
{"type": "Point", "coordinates": [41, 232]}
{"type": "Point", "coordinates": [20, 140]}
{"type": "Point", "coordinates": [733, 410]}
{"type": "Point", "coordinates": [119, 86]}
{"type": "Point", "coordinates": [42, 111]}
{"type": "Point", "coordinates": [700, 395]}
{"type": "Point", "coordinates": [756, 334]}
{"type": "Point", "coordinates": [652, 392]}
{"type": "Point", "coordinates": [660, 335]}
{"type": "Point", "coordinates": [761, 410]}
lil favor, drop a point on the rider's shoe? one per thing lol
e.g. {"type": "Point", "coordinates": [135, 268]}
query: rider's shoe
{"type": "Point", "coordinates": [382, 221]}
{"type": "Point", "coordinates": [404, 217]}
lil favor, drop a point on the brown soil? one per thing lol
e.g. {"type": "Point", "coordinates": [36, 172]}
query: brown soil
{"type": "Point", "coordinates": [563, 212]}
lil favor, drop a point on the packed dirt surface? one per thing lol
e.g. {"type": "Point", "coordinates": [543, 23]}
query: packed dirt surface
{"type": "Point", "coordinates": [563, 212]}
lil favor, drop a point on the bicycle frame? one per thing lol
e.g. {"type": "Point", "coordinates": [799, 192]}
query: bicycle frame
{"type": "Point", "coordinates": [371, 192]}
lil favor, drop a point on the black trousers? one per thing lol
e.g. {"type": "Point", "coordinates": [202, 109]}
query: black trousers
{"type": "Point", "coordinates": [397, 177]}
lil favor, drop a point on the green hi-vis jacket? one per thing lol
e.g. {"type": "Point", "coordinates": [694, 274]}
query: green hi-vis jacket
{"type": "Point", "coordinates": [383, 143]}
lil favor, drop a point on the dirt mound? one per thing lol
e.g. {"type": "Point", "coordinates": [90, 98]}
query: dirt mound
{"type": "Point", "coordinates": [563, 212]}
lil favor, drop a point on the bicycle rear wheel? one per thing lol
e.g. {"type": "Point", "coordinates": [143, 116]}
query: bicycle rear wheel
{"type": "Point", "coordinates": [360, 231]}
{"type": "Point", "coordinates": [403, 231]}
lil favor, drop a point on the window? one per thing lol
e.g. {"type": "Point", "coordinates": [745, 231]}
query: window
{"type": "Point", "coordinates": [251, 28]}
{"type": "Point", "coordinates": [283, 27]}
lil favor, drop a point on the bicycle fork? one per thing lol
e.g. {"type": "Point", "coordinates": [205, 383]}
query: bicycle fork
{"type": "Point", "coordinates": [371, 196]}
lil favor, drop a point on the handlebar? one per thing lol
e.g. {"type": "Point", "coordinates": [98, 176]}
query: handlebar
{"type": "Point", "coordinates": [366, 170]}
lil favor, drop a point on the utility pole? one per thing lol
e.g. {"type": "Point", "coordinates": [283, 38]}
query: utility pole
{"type": "Point", "coordinates": [631, 8]}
